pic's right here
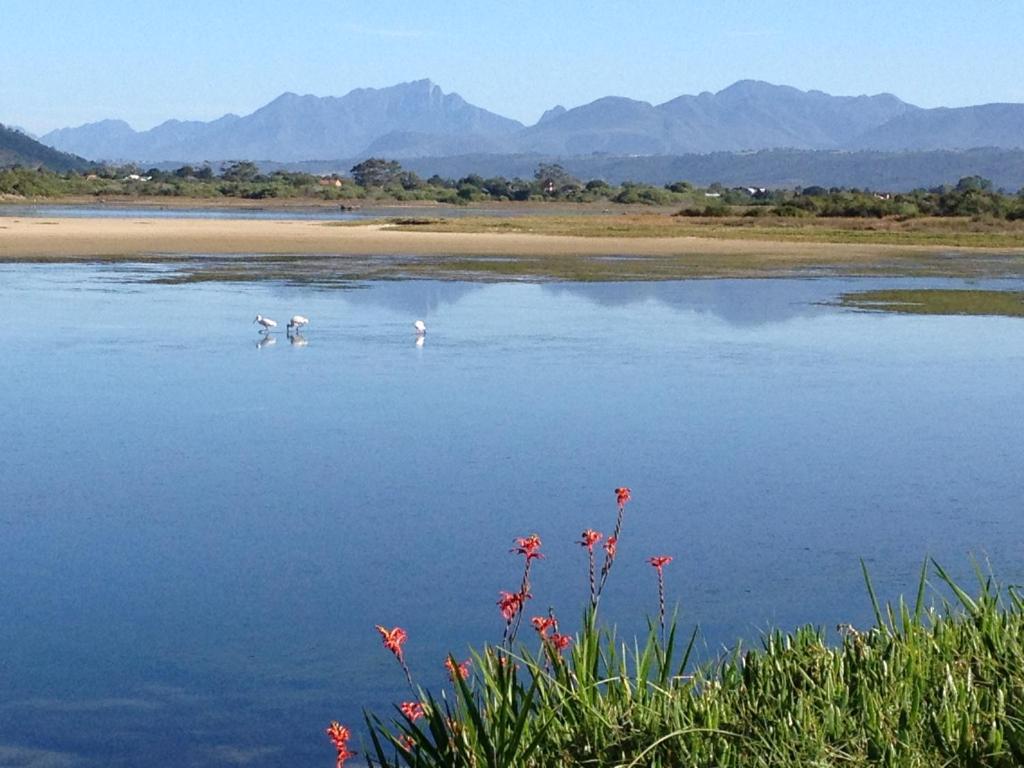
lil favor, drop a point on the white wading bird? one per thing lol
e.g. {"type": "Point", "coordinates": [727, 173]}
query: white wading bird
{"type": "Point", "coordinates": [297, 322]}
{"type": "Point", "coordinates": [266, 322]}
{"type": "Point", "coordinates": [420, 326]}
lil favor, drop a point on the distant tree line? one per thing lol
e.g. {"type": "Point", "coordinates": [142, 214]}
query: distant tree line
{"type": "Point", "coordinates": [972, 196]}
{"type": "Point", "coordinates": [381, 180]}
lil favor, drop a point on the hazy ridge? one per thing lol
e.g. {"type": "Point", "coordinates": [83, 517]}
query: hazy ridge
{"type": "Point", "coordinates": [17, 148]}
{"type": "Point", "coordinates": [417, 119]}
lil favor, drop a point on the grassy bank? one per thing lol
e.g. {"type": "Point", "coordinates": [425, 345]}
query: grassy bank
{"type": "Point", "coordinates": [924, 687]}
{"type": "Point", "coordinates": [924, 231]}
{"type": "Point", "coordinates": [938, 681]}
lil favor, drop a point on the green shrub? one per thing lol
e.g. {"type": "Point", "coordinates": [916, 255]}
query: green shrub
{"type": "Point", "coordinates": [938, 684]}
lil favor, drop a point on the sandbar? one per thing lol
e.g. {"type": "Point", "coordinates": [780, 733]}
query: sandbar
{"type": "Point", "coordinates": [85, 238]}
{"type": "Point", "coordinates": [297, 249]}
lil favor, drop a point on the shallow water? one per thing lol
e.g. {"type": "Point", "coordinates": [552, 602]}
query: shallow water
{"type": "Point", "coordinates": [197, 533]}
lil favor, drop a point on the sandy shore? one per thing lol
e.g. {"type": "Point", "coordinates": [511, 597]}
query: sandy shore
{"type": "Point", "coordinates": [70, 239]}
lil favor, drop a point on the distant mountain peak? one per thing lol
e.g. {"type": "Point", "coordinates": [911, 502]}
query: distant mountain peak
{"type": "Point", "coordinates": [618, 101]}
{"type": "Point", "coordinates": [407, 118]}
{"type": "Point", "coordinates": [424, 82]}
{"type": "Point", "coordinates": [748, 88]}
{"type": "Point", "coordinates": [109, 123]}
{"type": "Point", "coordinates": [422, 85]}
{"type": "Point", "coordinates": [749, 84]}
{"type": "Point", "coordinates": [552, 113]}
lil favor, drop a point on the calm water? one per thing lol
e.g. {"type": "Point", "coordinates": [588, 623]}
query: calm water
{"type": "Point", "coordinates": [197, 534]}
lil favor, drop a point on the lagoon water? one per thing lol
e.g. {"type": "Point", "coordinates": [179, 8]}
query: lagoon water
{"type": "Point", "coordinates": [198, 533]}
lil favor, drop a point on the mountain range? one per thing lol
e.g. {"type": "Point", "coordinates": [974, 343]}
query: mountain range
{"type": "Point", "coordinates": [418, 120]}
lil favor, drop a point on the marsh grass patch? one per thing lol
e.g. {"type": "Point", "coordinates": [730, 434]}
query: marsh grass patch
{"type": "Point", "coordinates": [937, 301]}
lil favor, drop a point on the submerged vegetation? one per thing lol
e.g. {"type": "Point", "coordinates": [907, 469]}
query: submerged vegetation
{"type": "Point", "coordinates": [938, 301]}
{"type": "Point", "coordinates": [928, 685]}
{"type": "Point", "coordinates": [330, 271]}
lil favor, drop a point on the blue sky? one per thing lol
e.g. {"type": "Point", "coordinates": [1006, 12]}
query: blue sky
{"type": "Point", "coordinates": [64, 63]}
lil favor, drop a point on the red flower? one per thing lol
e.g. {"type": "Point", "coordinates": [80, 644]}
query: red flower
{"type": "Point", "coordinates": [560, 642]}
{"type": "Point", "coordinates": [659, 562]}
{"type": "Point", "coordinates": [528, 546]}
{"type": "Point", "coordinates": [609, 547]}
{"type": "Point", "coordinates": [589, 539]}
{"type": "Point", "coordinates": [407, 742]}
{"type": "Point", "coordinates": [393, 639]}
{"type": "Point", "coordinates": [462, 669]}
{"type": "Point", "coordinates": [339, 736]}
{"type": "Point", "coordinates": [543, 624]}
{"type": "Point", "coordinates": [622, 496]}
{"type": "Point", "coordinates": [510, 603]}
{"type": "Point", "coordinates": [413, 710]}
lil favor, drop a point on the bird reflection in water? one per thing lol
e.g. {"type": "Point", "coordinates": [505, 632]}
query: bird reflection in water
{"type": "Point", "coordinates": [297, 339]}
{"type": "Point", "coordinates": [266, 341]}
{"type": "Point", "coordinates": [420, 340]}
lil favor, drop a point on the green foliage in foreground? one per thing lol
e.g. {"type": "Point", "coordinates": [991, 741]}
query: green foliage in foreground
{"type": "Point", "coordinates": [926, 687]}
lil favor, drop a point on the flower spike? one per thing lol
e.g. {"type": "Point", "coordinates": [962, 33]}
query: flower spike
{"type": "Point", "coordinates": [339, 736]}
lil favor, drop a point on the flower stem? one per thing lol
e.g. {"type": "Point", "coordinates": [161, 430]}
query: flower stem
{"type": "Point", "coordinates": [408, 677]}
{"type": "Point", "coordinates": [661, 603]}
{"type": "Point", "coordinates": [606, 567]}
{"type": "Point", "coordinates": [593, 580]}
{"type": "Point", "coordinates": [524, 590]}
